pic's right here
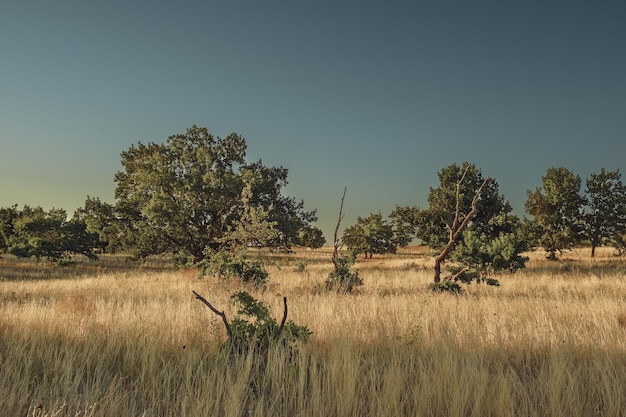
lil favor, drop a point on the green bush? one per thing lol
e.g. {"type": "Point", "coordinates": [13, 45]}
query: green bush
{"type": "Point", "coordinates": [255, 329]}
{"type": "Point", "coordinates": [227, 265]}
{"type": "Point", "coordinates": [341, 279]}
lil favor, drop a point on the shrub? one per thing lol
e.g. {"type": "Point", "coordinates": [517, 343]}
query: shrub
{"type": "Point", "coordinates": [227, 265]}
{"type": "Point", "coordinates": [341, 279]}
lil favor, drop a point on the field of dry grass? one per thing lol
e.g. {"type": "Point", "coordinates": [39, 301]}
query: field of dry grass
{"type": "Point", "coordinates": [550, 341]}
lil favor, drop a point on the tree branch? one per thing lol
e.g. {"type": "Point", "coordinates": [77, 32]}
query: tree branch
{"type": "Point", "coordinates": [457, 229]}
{"type": "Point", "coordinates": [335, 241]}
{"type": "Point", "coordinates": [229, 331]}
{"type": "Point", "coordinates": [457, 210]}
{"type": "Point", "coordinates": [456, 276]}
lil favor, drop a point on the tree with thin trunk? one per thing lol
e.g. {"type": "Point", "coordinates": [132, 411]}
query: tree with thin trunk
{"type": "Point", "coordinates": [605, 209]}
{"type": "Point", "coordinates": [556, 207]}
{"type": "Point", "coordinates": [341, 279]}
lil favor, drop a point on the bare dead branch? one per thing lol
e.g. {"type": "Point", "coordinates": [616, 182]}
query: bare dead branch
{"type": "Point", "coordinates": [336, 241]}
{"type": "Point", "coordinates": [229, 331]}
{"type": "Point", "coordinates": [456, 229]}
{"type": "Point", "coordinates": [457, 209]}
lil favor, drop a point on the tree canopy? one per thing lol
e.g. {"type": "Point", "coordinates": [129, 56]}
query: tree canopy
{"type": "Point", "coordinates": [36, 233]}
{"type": "Point", "coordinates": [468, 219]}
{"type": "Point", "coordinates": [556, 208]}
{"type": "Point", "coordinates": [605, 209]}
{"type": "Point", "coordinates": [370, 235]}
{"type": "Point", "coordinates": [186, 196]}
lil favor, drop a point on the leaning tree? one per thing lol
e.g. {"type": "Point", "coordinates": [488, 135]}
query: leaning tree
{"type": "Point", "coordinates": [468, 224]}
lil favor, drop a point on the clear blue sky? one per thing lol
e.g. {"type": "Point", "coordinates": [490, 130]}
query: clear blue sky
{"type": "Point", "coordinates": [373, 96]}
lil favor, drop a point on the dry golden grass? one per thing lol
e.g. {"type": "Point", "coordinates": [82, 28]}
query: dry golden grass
{"type": "Point", "coordinates": [551, 341]}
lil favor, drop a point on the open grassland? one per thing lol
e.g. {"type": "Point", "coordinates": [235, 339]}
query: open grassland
{"type": "Point", "coordinates": [116, 341]}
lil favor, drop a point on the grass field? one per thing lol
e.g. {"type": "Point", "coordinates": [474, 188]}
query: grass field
{"type": "Point", "coordinates": [111, 339]}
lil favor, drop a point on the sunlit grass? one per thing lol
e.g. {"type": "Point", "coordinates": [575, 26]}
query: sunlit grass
{"type": "Point", "coordinates": [551, 341]}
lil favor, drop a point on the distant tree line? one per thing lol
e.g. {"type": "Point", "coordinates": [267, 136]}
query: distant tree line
{"type": "Point", "coordinates": [470, 226]}
{"type": "Point", "coordinates": [35, 233]}
{"type": "Point", "coordinates": [196, 198]}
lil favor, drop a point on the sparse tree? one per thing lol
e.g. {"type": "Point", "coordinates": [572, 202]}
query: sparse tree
{"type": "Point", "coordinates": [556, 209]}
{"type": "Point", "coordinates": [341, 278]}
{"type": "Point", "coordinates": [605, 214]}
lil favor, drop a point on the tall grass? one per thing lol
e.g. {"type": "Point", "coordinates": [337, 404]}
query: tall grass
{"type": "Point", "coordinates": [551, 341]}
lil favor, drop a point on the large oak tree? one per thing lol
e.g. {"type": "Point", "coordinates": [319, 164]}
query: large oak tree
{"type": "Point", "coordinates": [188, 195]}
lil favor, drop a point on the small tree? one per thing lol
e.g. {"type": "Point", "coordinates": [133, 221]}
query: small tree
{"type": "Point", "coordinates": [469, 225]}
{"type": "Point", "coordinates": [341, 278]}
{"type": "Point", "coordinates": [370, 235]}
{"type": "Point", "coordinates": [403, 220]}
{"type": "Point", "coordinates": [556, 209]}
{"type": "Point", "coordinates": [456, 226]}
{"type": "Point", "coordinates": [311, 237]}
{"type": "Point", "coordinates": [605, 214]}
{"type": "Point", "coordinates": [251, 229]}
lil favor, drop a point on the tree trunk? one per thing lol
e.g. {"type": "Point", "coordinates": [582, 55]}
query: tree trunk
{"type": "Point", "coordinates": [593, 249]}
{"type": "Point", "coordinates": [437, 270]}
{"type": "Point", "coordinates": [455, 229]}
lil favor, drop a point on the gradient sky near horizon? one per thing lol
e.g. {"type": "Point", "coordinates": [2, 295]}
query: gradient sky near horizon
{"type": "Point", "coordinates": [373, 96]}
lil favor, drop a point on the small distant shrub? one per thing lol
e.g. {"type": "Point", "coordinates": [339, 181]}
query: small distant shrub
{"type": "Point", "coordinates": [299, 267]}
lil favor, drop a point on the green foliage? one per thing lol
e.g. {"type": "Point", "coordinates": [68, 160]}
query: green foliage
{"type": "Point", "coordinates": [185, 196]}
{"type": "Point", "coordinates": [491, 241]}
{"type": "Point", "coordinates": [300, 267]}
{"type": "Point", "coordinates": [556, 209]}
{"type": "Point", "coordinates": [228, 265]}
{"type": "Point", "coordinates": [311, 237]}
{"type": "Point", "coordinates": [370, 235]}
{"type": "Point", "coordinates": [486, 254]}
{"type": "Point", "coordinates": [605, 210]}
{"type": "Point", "coordinates": [254, 328]}
{"type": "Point", "coordinates": [8, 215]}
{"type": "Point", "coordinates": [431, 224]}
{"type": "Point", "coordinates": [341, 279]}
{"type": "Point", "coordinates": [446, 285]}
{"type": "Point", "coordinates": [404, 221]}
{"type": "Point", "coordinates": [35, 233]}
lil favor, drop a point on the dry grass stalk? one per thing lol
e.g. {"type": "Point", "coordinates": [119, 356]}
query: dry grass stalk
{"type": "Point", "coordinates": [550, 341]}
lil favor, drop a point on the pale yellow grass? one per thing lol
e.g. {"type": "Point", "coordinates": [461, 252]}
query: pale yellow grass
{"type": "Point", "coordinates": [550, 341]}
